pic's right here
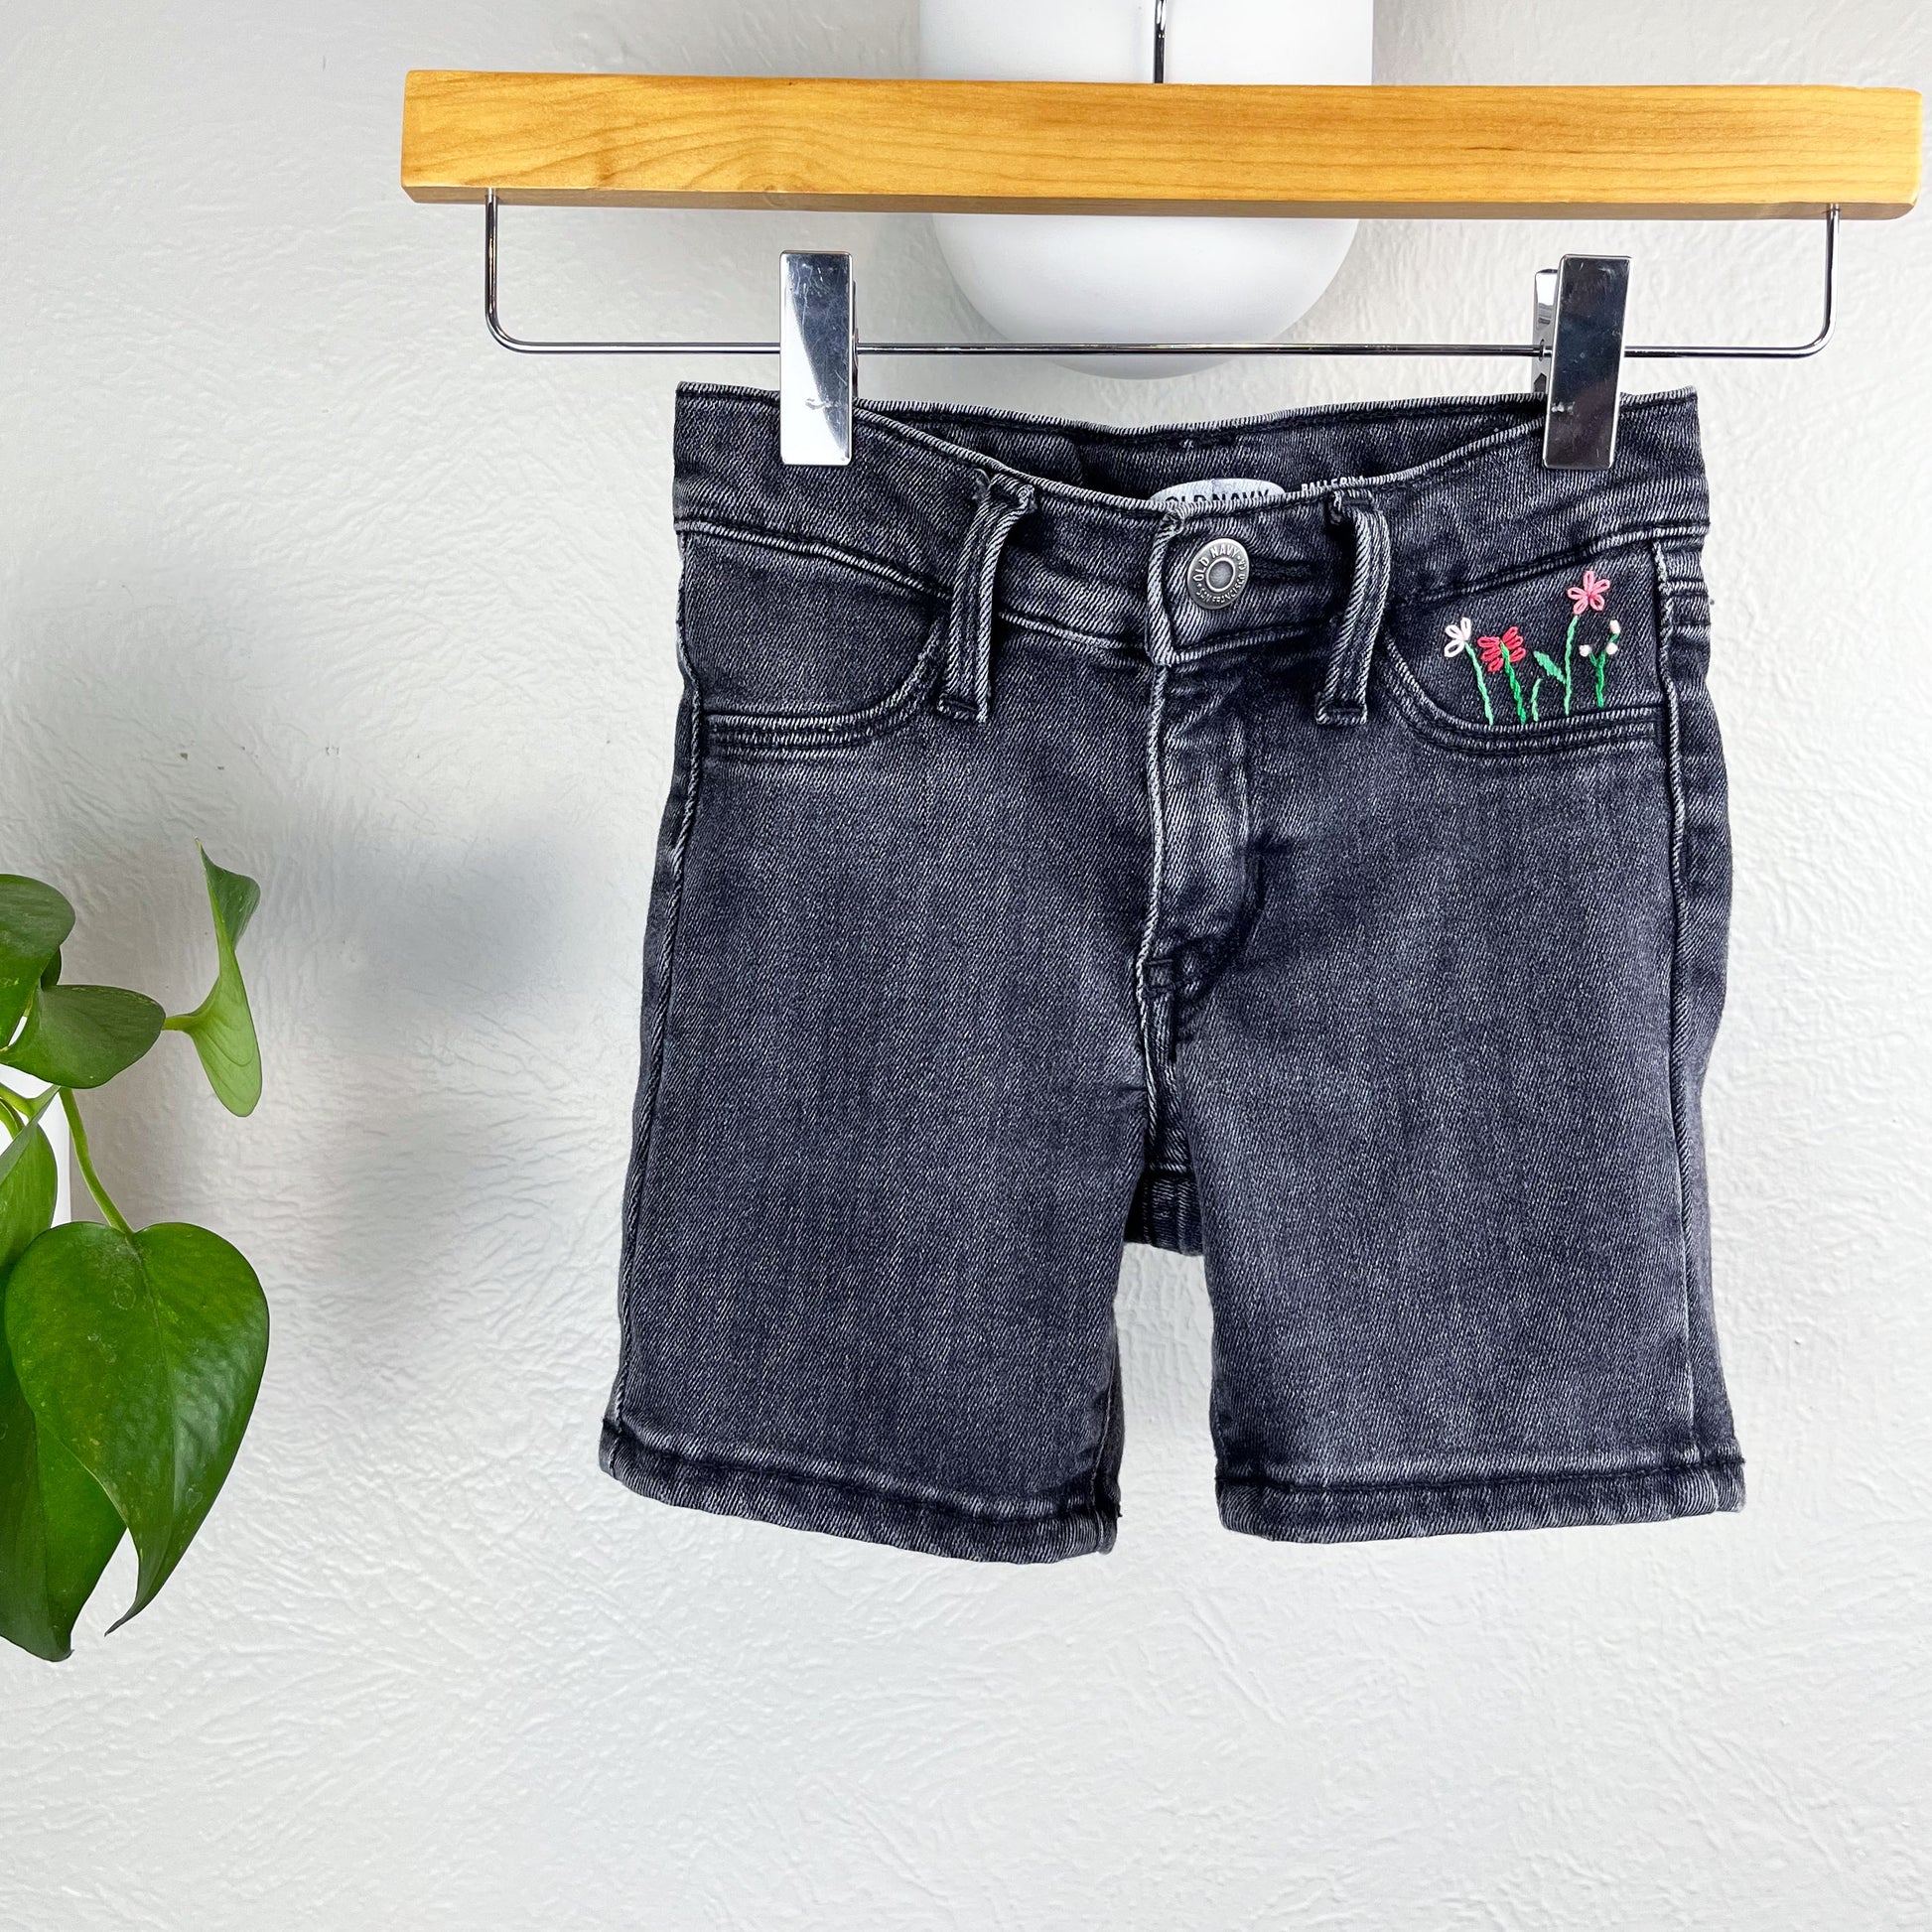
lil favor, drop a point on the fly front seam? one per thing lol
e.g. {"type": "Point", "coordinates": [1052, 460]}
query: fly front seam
{"type": "Point", "coordinates": [1157, 885]}
{"type": "Point", "coordinates": [1159, 640]}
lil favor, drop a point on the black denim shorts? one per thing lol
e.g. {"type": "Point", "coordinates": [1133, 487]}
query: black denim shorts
{"type": "Point", "coordinates": [1299, 842]}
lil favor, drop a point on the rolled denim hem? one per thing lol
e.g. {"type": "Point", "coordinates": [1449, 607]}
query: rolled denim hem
{"type": "Point", "coordinates": [1375, 1512]}
{"type": "Point", "coordinates": [835, 1506]}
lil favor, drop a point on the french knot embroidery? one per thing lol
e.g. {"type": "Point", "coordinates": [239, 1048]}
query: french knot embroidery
{"type": "Point", "coordinates": [1499, 656]}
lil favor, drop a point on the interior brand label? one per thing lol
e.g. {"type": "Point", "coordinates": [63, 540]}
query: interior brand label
{"type": "Point", "coordinates": [1219, 493]}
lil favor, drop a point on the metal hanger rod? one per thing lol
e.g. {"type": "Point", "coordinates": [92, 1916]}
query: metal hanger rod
{"type": "Point", "coordinates": [1521, 352]}
{"type": "Point", "coordinates": [1160, 41]}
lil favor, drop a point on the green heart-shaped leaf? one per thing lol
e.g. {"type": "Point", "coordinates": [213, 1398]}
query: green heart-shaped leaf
{"type": "Point", "coordinates": [28, 1192]}
{"type": "Point", "coordinates": [24, 1138]}
{"type": "Point", "coordinates": [58, 1531]}
{"type": "Point", "coordinates": [35, 921]}
{"type": "Point", "coordinates": [221, 1027]}
{"type": "Point", "coordinates": [82, 1036]}
{"type": "Point", "coordinates": [142, 1353]}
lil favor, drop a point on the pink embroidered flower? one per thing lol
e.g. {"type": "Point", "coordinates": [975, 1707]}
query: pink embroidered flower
{"type": "Point", "coordinates": [1589, 595]}
{"type": "Point", "coordinates": [1509, 648]}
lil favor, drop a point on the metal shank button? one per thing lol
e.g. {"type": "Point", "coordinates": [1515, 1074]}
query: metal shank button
{"type": "Point", "coordinates": [1219, 574]}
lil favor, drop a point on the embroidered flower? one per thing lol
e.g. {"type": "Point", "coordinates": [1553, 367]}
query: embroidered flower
{"type": "Point", "coordinates": [1509, 648]}
{"type": "Point", "coordinates": [1499, 656]}
{"type": "Point", "coordinates": [1589, 595]}
{"type": "Point", "coordinates": [1600, 661]}
{"type": "Point", "coordinates": [1461, 643]}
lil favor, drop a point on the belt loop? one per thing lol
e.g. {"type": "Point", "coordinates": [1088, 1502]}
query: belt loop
{"type": "Point", "coordinates": [1344, 697]}
{"type": "Point", "coordinates": [969, 658]}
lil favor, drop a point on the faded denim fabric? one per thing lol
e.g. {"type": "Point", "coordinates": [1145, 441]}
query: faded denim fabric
{"type": "Point", "coordinates": [1350, 910]}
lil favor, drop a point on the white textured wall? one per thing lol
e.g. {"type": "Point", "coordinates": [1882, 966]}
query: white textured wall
{"type": "Point", "coordinates": [292, 559]}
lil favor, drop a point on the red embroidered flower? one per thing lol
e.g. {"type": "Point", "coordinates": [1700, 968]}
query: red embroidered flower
{"type": "Point", "coordinates": [1498, 651]}
{"type": "Point", "coordinates": [1589, 595]}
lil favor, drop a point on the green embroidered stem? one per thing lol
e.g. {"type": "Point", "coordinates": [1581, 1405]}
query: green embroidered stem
{"type": "Point", "coordinates": [1482, 683]}
{"type": "Point", "coordinates": [1569, 661]}
{"type": "Point", "coordinates": [1536, 702]}
{"type": "Point", "coordinates": [1603, 666]}
{"type": "Point", "coordinates": [1516, 690]}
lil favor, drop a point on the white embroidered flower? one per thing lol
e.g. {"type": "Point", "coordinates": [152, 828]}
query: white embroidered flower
{"type": "Point", "coordinates": [1617, 632]}
{"type": "Point", "coordinates": [1458, 634]}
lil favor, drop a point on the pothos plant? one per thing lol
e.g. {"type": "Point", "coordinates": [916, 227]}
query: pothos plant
{"type": "Point", "coordinates": [129, 1357]}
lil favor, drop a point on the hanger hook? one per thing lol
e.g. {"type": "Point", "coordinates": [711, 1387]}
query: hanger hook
{"type": "Point", "coordinates": [1160, 41]}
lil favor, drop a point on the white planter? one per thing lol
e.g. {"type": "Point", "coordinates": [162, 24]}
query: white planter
{"type": "Point", "coordinates": [1132, 278]}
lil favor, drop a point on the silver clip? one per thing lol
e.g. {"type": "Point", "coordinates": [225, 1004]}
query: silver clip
{"type": "Point", "coordinates": [1159, 42]}
{"type": "Point", "coordinates": [1579, 311]}
{"type": "Point", "coordinates": [1543, 331]}
{"type": "Point", "coordinates": [817, 359]}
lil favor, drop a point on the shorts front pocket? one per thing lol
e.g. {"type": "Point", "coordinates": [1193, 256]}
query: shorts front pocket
{"type": "Point", "coordinates": [787, 647]}
{"type": "Point", "coordinates": [1552, 657]}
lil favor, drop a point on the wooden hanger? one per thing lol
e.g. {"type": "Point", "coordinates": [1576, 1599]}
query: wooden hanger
{"type": "Point", "coordinates": [694, 141]}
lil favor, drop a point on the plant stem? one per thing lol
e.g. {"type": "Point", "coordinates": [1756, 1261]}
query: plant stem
{"type": "Point", "coordinates": [22, 1112]}
{"type": "Point", "coordinates": [84, 1155]}
{"type": "Point", "coordinates": [1482, 686]}
{"type": "Point", "coordinates": [1516, 689]}
{"type": "Point", "coordinates": [1569, 661]}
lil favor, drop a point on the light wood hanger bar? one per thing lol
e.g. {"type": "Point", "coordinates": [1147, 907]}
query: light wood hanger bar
{"type": "Point", "coordinates": [1055, 147]}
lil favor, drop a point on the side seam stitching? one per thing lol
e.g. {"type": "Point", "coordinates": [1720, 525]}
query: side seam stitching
{"type": "Point", "coordinates": [1673, 741]}
{"type": "Point", "coordinates": [660, 1019]}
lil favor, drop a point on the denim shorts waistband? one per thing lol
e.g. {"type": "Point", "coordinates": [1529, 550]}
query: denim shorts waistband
{"type": "Point", "coordinates": [1460, 485]}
